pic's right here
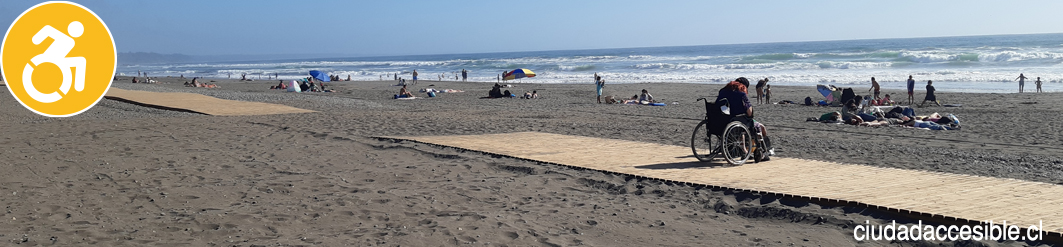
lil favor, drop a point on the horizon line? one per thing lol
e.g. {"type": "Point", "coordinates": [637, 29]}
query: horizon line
{"type": "Point", "coordinates": [349, 55]}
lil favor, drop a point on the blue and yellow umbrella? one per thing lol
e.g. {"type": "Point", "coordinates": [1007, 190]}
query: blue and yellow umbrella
{"type": "Point", "coordinates": [517, 74]}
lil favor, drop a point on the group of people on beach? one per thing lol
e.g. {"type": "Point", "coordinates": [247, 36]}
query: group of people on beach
{"type": "Point", "coordinates": [195, 83]}
{"type": "Point", "coordinates": [305, 85]}
{"type": "Point", "coordinates": [930, 96]}
{"type": "Point", "coordinates": [763, 91]}
{"type": "Point", "coordinates": [644, 98]}
{"type": "Point", "coordinates": [1022, 82]}
{"type": "Point", "coordinates": [862, 114]}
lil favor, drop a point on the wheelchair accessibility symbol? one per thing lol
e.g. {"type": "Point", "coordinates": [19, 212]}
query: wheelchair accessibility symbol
{"type": "Point", "coordinates": [79, 55]}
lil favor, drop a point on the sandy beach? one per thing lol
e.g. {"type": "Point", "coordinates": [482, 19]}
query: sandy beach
{"type": "Point", "coordinates": [126, 175]}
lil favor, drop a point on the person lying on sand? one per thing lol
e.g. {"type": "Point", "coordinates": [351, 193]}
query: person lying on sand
{"type": "Point", "coordinates": [924, 124]}
{"type": "Point", "coordinates": [886, 121]}
{"type": "Point", "coordinates": [830, 117]}
{"type": "Point", "coordinates": [611, 100]}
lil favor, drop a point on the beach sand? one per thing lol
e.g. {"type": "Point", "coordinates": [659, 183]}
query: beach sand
{"type": "Point", "coordinates": [126, 175]}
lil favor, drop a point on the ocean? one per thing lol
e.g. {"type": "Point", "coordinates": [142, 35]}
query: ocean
{"type": "Point", "coordinates": [959, 64]}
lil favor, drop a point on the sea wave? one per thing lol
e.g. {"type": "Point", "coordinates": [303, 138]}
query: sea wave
{"type": "Point", "coordinates": [585, 67]}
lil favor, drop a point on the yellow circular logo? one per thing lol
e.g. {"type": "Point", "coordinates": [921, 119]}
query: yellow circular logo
{"type": "Point", "coordinates": [58, 59]}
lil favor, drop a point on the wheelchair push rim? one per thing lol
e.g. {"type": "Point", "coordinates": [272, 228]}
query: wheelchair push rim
{"type": "Point", "coordinates": [737, 143]}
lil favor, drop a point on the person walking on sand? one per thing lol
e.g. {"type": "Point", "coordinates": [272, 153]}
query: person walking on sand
{"type": "Point", "coordinates": [930, 94]}
{"type": "Point", "coordinates": [599, 84]}
{"type": "Point", "coordinates": [1038, 83]}
{"type": "Point", "coordinates": [875, 86]}
{"type": "Point", "coordinates": [911, 90]}
{"type": "Point", "coordinates": [1022, 81]}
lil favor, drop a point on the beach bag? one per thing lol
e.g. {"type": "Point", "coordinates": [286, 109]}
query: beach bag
{"type": "Point", "coordinates": [808, 100]}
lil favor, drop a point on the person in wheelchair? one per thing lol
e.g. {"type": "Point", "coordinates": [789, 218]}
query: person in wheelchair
{"type": "Point", "coordinates": [737, 96]}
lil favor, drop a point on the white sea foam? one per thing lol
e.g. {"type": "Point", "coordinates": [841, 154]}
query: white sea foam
{"type": "Point", "coordinates": [972, 60]}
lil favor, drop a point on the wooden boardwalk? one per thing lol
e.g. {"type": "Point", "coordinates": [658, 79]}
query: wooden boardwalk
{"type": "Point", "coordinates": [949, 196]}
{"type": "Point", "coordinates": [199, 103]}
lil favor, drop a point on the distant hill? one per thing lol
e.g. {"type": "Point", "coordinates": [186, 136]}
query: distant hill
{"type": "Point", "coordinates": [151, 57]}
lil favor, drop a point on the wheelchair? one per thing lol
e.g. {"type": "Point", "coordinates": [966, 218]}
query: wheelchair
{"type": "Point", "coordinates": [733, 137]}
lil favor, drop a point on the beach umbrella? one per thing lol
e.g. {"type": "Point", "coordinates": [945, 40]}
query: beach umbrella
{"type": "Point", "coordinates": [518, 73]}
{"type": "Point", "coordinates": [321, 76]}
{"type": "Point", "coordinates": [826, 91]}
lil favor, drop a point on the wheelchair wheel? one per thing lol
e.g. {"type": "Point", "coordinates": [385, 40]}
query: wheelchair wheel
{"type": "Point", "coordinates": [737, 143]}
{"type": "Point", "coordinates": [705, 145]}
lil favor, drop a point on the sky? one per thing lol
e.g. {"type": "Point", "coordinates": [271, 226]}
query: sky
{"type": "Point", "coordinates": [399, 27]}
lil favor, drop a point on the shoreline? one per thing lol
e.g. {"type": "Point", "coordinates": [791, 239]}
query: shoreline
{"type": "Point", "coordinates": [952, 87]}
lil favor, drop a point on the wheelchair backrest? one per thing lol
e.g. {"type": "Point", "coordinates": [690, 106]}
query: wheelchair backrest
{"type": "Point", "coordinates": [717, 119]}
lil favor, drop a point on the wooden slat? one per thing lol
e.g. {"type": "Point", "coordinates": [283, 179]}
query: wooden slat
{"type": "Point", "coordinates": [199, 103]}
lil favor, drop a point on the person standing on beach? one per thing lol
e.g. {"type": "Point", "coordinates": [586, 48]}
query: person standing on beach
{"type": "Point", "coordinates": [911, 90]}
{"type": "Point", "coordinates": [930, 94]}
{"type": "Point", "coordinates": [875, 86]}
{"type": "Point", "coordinates": [1038, 83]}
{"type": "Point", "coordinates": [464, 74]}
{"type": "Point", "coordinates": [767, 93]}
{"type": "Point", "coordinates": [1022, 81]}
{"type": "Point", "coordinates": [760, 90]}
{"type": "Point", "coordinates": [415, 77]}
{"type": "Point", "coordinates": [598, 83]}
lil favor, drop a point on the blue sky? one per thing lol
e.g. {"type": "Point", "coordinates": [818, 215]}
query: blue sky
{"type": "Point", "coordinates": [365, 28]}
